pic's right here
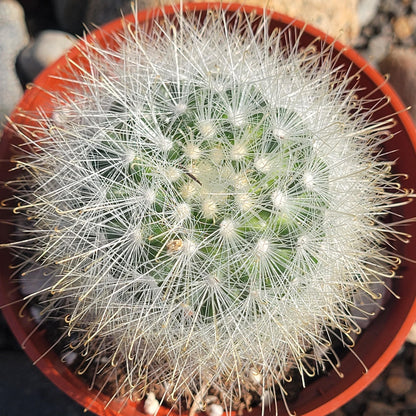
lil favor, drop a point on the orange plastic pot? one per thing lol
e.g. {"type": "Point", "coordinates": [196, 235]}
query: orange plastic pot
{"type": "Point", "coordinates": [378, 344]}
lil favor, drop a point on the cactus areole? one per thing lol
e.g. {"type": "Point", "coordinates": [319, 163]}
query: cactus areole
{"type": "Point", "coordinates": [211, 203]}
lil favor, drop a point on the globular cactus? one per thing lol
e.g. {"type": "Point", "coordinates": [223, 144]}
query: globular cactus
{"type": "Point", "coordinates": [205, 205]}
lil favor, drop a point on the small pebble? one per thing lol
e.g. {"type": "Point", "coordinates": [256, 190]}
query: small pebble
{"type": "Point", "coordinates": [378, 47]}
{"type": "Point", "coordinates": [211, 399]}
{"type": "Point", "coordinates": [215, 410]}
{"type": "Point", "coordinates": [255, 376]}
{"type": "Point", "coordinates": [396, 369]}
{"type": "Point", "coordinates": [33, 282]}
{"type": "Point", "coordinates": [267, 398]}
{"type": "Point", "coordinates": [404, 26]}
{"type": "Point", "coordinates": [46, 48]}
{"type": "Point", "coordinates": [399, 385]}
{"type": "Point", "coordinates": [376, 408]}
{"type": "Point", "coordinates": [69, 357]}
{"type": "Point", "coordinates": [35, 312]}
{"type": "Point", "coordinates": [366, 11]}
{"type": "Point", "coordinates": [151, 404]}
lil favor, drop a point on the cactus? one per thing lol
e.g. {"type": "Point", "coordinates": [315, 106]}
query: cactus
{"type": "Point", "coordinates": [202, 207]}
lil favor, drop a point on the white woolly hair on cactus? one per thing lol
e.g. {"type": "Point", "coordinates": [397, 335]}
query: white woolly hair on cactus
{"type": "Point", "coordinates": [206, 204]}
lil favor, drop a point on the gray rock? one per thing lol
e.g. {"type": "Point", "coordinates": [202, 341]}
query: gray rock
{"type": "Point", "coordinates": [367, 10]}
{"type": "Point", "coordinates": [400, 63]}
{"type": "Point", "coordinates": [46, 48]}
{"type": "Point", "coordinates": [378, 47]}
{"type": "Point", "coordinates": [368, 309]}
{"type": "Point", "coordinates": [14, 37]}
{"type": "Point", "coordinates": [404, 26]}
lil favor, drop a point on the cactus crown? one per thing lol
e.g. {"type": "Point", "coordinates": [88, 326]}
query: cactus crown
{"type": "Point", "coordinates": [207, 204]}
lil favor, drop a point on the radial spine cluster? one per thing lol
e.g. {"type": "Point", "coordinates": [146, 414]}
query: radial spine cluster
{"type": "Point", "coordinates": [204, 205]}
